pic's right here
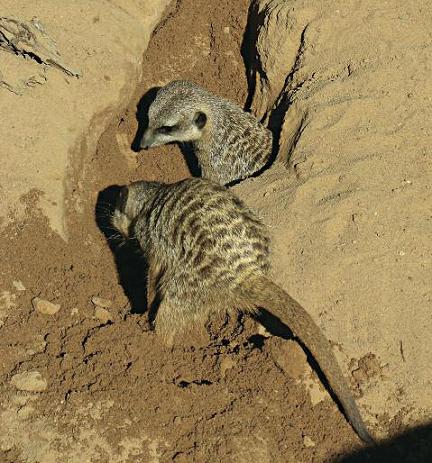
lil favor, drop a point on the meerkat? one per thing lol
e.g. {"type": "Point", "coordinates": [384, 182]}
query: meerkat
{"type": "Point", "coordinates": [207, 251]}
{"type": "Point", "coordinates": [229, 143]}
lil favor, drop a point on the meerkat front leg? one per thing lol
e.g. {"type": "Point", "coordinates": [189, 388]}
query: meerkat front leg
{"type": "Point", "coordinates": [170, 321]}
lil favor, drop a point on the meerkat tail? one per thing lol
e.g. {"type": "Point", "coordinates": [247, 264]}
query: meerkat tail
{"type": "Point", "coordinates": [267, 295]}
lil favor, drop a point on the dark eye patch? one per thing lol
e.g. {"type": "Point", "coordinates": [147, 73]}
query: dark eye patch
{"type": "Point", "coordinates": [166, 129]}
{"type": "Point", "coordinates": [200, 119]}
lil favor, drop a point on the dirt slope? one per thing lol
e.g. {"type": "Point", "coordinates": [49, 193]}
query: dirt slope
{"type": "Point", "coordinates": [44, 127]}
{"type": "Point", "coordinates": [350, 204]}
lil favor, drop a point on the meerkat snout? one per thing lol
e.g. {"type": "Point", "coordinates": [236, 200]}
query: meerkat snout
{"type": "Point", "coordinates": [170, 129]}
{"type": "Point", "coordinates": [144, 144]}
{"type": "Point", "coordinates": [120, 219]}
{"type": "Point", "coordinates": [129, 203]}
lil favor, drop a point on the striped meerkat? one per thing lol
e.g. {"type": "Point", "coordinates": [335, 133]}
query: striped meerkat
{"type": "Point", "coordinates": [207, 252]}
{"type": "Point", "coordinates": [229, 143]}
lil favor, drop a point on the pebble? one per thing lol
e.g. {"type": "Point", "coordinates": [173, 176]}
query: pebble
{"type": "Point", "coordinates": [30, 381]}
{"type": "Point", "coordinates": [308, 442]}
{"type": "Point", "coordinates": [102, 314]}
{"type": "Point", "coordinates": [100, 302]}
{"type": "Point", "coordinates": [289, 357]}
{"type": "Point", "coordinates": [226, 364]}
{"type": "Point", "coordinates": [45, 307]}
{"type": "Point", "coordinates": [37, 346]}
{"type": "Point", "coordinates": [21, 400]}
{"type": "Point", "coordinates": [25, 412]}
{"type": "Point", "coordinates": [18, 285]}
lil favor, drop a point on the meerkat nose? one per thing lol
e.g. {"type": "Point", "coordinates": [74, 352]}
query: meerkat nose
{"type": "Point", "coordinates": [145, 144]}
{"type": "Point", "coordinates": [146, 141]}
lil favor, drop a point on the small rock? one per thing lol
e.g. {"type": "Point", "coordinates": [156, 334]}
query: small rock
{"type": "Point", "coordinates": [100, 302]}
{"type": "Point", "coordinates": [18, 285]}
{"type": "Point", "coordinates": [23, 399]}
{"type": "Point", "coordinates": [25, 412]}
{"type": "Point", "coordinates": [37, 346]}
{"type": "Point", "coordinates": [45, 307]}
{"type": "Point", "coordinates": [7, 302]}
{"type": "Point", "coordinates": [289, 357]}
{"type": "Point", "coordinates": [102, 314]}
{"type": "Point", "coordinates": [226, 364]}
{"type": "Point", "coordinates": [31, 381]}
{"type": "Point", "coordinates": [308, 442]}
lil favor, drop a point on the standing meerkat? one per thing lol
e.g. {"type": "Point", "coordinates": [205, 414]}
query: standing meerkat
{"type": "Point", "coordinates": [206, 252]}
{"type": "Point", "coordinates": [229, 143]}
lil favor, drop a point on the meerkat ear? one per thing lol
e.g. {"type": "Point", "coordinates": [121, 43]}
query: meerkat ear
{"type": "Point", "coordinates": [200, 119]}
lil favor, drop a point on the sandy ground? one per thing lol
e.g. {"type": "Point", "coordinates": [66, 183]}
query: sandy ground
{"type": "Point", "coordinates": [46, 116]}
{"type": "Point", "coordinates": [88, 382]}
{"type": "Point", "coordinates": [349, 203]}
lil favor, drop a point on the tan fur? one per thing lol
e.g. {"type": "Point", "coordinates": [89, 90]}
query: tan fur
{"type": "Point", "coordinates": [210, 253]}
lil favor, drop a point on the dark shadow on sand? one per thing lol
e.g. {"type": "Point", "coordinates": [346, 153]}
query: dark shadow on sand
{"type": "Point", "coordinates": [413, 446]}
{"type": "Point", "coordinates": [142, 116]}
{"type": "Point", "coordinates": [131, 266]}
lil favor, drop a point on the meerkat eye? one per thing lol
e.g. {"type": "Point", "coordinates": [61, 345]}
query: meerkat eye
{"type": "Point", "coordinates": [200, 119]}
{"type": "Point", "coordinates": [165, 129]}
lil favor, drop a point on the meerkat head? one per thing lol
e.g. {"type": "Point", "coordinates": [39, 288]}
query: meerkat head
{"type": "Point", "coordinates": [179, 113]}
{"type": "Point", "coordinates": [130, 202]}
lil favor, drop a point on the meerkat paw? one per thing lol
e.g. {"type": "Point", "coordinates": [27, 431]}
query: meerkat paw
{"type": "Point", "coordinates": [166, 335]}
